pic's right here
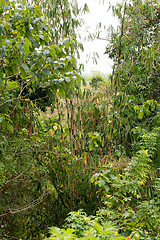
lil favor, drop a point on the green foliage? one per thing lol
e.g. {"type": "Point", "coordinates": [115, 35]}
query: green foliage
{"type": "Point", "coordinates": [50, 179]}
{"type": "Point", "coordinates": [129, 194]}
{"type": "Point", "coordinates": [60, 234]}
{"type": "Point", "coordinates": [31, 58]}
{"type": "Point", "coordinates": [94, 105]}
{"type": "Point", "coordinates": [95, 140]}
{"type": "Point", "coordinates": [139, 68]}
{"type": "Point", "coordinates": [33, 69]}
{"type": "Point", "coordinates": [97, 79]}
{"type": "Point", "coordinates": [83, 227]}
{"type": "Point", "coordinates": [43, 176]}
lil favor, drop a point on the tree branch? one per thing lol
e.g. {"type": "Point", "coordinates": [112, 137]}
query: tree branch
{"type": "Point", "coordinates": [31, 205]}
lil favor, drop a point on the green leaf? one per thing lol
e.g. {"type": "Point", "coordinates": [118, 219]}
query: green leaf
{"type": "Point", "coordinates": [66, 40]}
{"type": "Point", "coordinates": [1, 119]}
{"type": "Point", "coordinates": [136, 107]}
{"type": "Point", "coordinates": [4, 48]}
{"type": "Point", "coordinates": [118, 153]}
{"type": "Point", "coordinates": [21, 48]}
{"type": "Point", "coordinates": [68, 58]}
{"type": "Point", "coordinates": [31, 8]}
{"type": "Point", "coordinates": [46, 71]}
{"type": "Point", "coordinates": [91, 146]}
{"type": "Point", "coordinates": [35, 43]}
{"type": "Point", "coordinates": [26, 45]}
{"type": "Point", "coordinates": [106, 188]}
{"type": "Point", "coordinates": [19, 60]}
{"type": "Point", "coordinates": [7, 43]}
{"type": "Point", "coordinates": [10, 127]}
{"type": "Point", "coordinates": [140, 115]}
{"type": "Point", "coordinates": [41, 37]}
{"type": "Point", "coordinates": [67, 79]}
{"type": "Point", "coordinates": [46, 52]}
{"type": "Point", "coordinates": [29, 35]}
{"type": "Point", "coordinates": [101, 183]}
{"type": "Point", "coordinates": [1, 28]}
{"type": "Point", "coordinates": [25, 67]}
{"type": "Point", "coordinates": [22, 73]}
{"type": "Point", "coordinates": [95, 177]}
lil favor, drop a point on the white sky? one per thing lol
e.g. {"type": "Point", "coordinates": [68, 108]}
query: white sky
{"type": "Point", "coordinates": [98, 13]}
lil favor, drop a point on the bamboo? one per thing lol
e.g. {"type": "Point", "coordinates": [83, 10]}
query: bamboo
{"type": "Point", "coordinates": [80, 122]}
{"type": "Point", "coordinates": [117, 80]}
{"type": "Point", "coordinates": [59, 114]}
{"type": "Point", "coordinates": [77, 134]}
{"type": "Point", "coordinates": [106, 115]}
{"type": "Point", "coordinates": [73, 127]}
{"type": "Point", "coordinates": [68, 122]}
{"type": "Point", "coordinates": [78, 139]}
{"type": "Point", "coordinates": [74, 130]}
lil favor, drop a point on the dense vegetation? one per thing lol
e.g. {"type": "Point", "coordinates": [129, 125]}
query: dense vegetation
{"type": "Point", "coordinates": [85, 159]}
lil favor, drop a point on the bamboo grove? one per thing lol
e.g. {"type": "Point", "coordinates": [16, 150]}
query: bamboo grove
{"type": "Point", "coordinates": [82, 157]}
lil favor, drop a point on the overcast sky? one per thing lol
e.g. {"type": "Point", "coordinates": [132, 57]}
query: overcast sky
{"type": "Point", "coordinates": [98, 13]}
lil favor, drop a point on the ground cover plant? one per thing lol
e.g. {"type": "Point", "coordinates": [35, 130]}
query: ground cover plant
{"type": "Point", "coordinates": [84, 159]}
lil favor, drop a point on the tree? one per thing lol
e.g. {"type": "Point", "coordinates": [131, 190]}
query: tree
{"type": "Point", "coordinates": [28, 52]}
{"type": "Point", "coordinates": [65, 17]}
{"type": "Point", "coordinates": [33, 69]}
{"type": "Point", "coordinates": [97, 79]}
{"type": "Point", "coordinates": [139, 71]}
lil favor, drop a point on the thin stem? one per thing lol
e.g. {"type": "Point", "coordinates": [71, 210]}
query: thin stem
{"type": "Point", "coordinates": [117, 81]}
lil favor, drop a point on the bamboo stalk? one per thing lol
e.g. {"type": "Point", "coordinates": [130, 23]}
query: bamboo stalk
{"type": "Point", "coordinates": [80, 122]}
{"type": "Point", "coordinates": [78, 139]}
{"type": "Point", "coordinates": [118, 130]}
{"type": "Point", "coordinates": [77, 133]}
{"type": "Point", "coordinates": [68, 122]}
{"type": "Point", "coordinates": [59, 114]}
{"type": "Point", "coordinates": [117, 80]}
{"type": "Point", "coordinates": [74, 130]}
{"type": "Point", "coordinates": [73, 127]}
{"type": "Point", "coordinates": [106, 115]}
